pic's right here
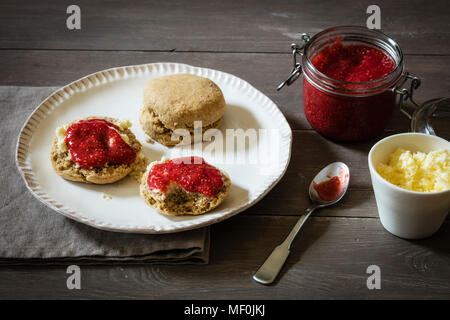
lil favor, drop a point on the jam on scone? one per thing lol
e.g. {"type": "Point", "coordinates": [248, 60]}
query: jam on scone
{"type": "Point", "coordinates": [187, 185]}
{"type": "Point", "coordinates": [93, 143]}
{"type": "Point", "coordinates": [96, 150]}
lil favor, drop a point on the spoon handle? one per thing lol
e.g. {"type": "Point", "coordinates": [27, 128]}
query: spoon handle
{"type": "Point", "coordinates": [269, 270]}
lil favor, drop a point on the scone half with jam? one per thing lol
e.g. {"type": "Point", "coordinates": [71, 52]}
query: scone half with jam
{"type": "Point", "coordinates": [96, 150]}
{"type": "Point", "coordinates": [184, 186]}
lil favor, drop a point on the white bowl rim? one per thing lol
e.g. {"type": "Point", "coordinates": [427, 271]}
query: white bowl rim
{"type": "Point", "coordinates": [384, 181]}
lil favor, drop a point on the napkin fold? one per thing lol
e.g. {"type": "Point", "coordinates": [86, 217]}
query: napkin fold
{"type": "Point", "coordinates": [31, 233]}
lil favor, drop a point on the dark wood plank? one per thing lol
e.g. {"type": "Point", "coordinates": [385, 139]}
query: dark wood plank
{"type": "Point", "coordinates": [214, 25]}
{"type": "Point", "coordinates": [328, 261]}
{"type": "Point", "coordinates": [264, 71]}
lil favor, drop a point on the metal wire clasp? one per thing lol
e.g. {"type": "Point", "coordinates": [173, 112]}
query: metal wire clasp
{"type": "Point", "coordinates": [297, 68]}
{"type": "Point", "coordinates": [406, 94]}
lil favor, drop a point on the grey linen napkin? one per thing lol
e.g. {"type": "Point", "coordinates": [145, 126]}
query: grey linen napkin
{"type": "Point", "coordinates": [32, 233]}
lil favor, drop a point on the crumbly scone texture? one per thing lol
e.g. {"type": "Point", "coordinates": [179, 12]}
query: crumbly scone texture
{"type": "Point", "coordinates": [66, 168]}
{"type": "Point", "coordinates": [176, 102]}
{"type": "Point", "coordinates": [177, 201]}
{"type": "Point", "coordinates": [152, 126]}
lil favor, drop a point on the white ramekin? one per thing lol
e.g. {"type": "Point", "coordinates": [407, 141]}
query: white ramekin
{"type": "Point", "coordinates": [408, 214]}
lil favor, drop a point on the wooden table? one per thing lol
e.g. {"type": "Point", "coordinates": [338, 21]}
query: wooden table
{"type": "Point", "coordinates": [251, 40]}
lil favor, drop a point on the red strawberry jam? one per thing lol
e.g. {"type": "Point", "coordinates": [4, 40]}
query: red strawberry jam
{"type": "Point", "coordinates": [347, 117]}
{"type": "Point", "coordinates": [353, 63]}
{"type": "Point", "coordinates": [332, 188]}
{"type": "Point", "coordinates": [94, 143]}
{"type": "Point", "coordinates": [193, 174]}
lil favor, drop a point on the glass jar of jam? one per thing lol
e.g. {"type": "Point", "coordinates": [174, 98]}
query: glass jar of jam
{"type": "Point", "coordinates": [352, 76]}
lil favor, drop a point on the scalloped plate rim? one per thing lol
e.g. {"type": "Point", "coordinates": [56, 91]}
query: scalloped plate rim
{"type": "Point", "coordinates": [146, 229]}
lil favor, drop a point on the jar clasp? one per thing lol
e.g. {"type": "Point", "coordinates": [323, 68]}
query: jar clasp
{"type": "Point", "coordinates": [406, 94]}
{"type": "Point", "coordinates": [297, 68]}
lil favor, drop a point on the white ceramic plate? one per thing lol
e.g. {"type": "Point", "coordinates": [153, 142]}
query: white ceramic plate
{"type": "Point", "coordinates": [117, 92]}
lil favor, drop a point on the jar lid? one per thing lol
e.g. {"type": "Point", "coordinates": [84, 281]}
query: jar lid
{"type": "Point", "coordinates": [433, 117]}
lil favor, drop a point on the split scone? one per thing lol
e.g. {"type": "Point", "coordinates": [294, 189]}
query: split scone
{"type": "Point", "coordinates": [96, 150]}
{"type": "Point", "coordinates": [176, 102]}
{"type": "Point", "coordinates": [184, 186]}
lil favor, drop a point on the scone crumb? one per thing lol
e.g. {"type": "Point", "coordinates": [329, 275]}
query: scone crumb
{"type": "Point", "coordinates": [106, 196]}
{"type": "Point", "coordinates": [125, 124]}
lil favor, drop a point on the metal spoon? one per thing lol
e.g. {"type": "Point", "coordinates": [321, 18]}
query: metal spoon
{"type": "Point", "coordinates": [267, 273]}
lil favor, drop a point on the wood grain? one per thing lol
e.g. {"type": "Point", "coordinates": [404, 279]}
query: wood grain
{"type": "Point", "coordinates": [215, 25]}
{"type": "Point", "coordinates": [328, 261]}
{"type": "Point", "coordinates": [263, 71]}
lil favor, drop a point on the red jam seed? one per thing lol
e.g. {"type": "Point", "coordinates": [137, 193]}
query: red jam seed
{"type": "Point", "coordinates": [191, 173]}
{"type": "Point", "coordinates": [93, 143]}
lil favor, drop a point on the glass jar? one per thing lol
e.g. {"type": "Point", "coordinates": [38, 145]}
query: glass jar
{"type": "Point", "coordinates": [349, 110]}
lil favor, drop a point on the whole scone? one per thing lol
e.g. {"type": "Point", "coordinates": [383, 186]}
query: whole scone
{"type": "Point", "coordinates": [64, 165]}
{"type": "Point", "coordinates": [176, 200]}
{"type": "Point", "coordinates": [175, 102]}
